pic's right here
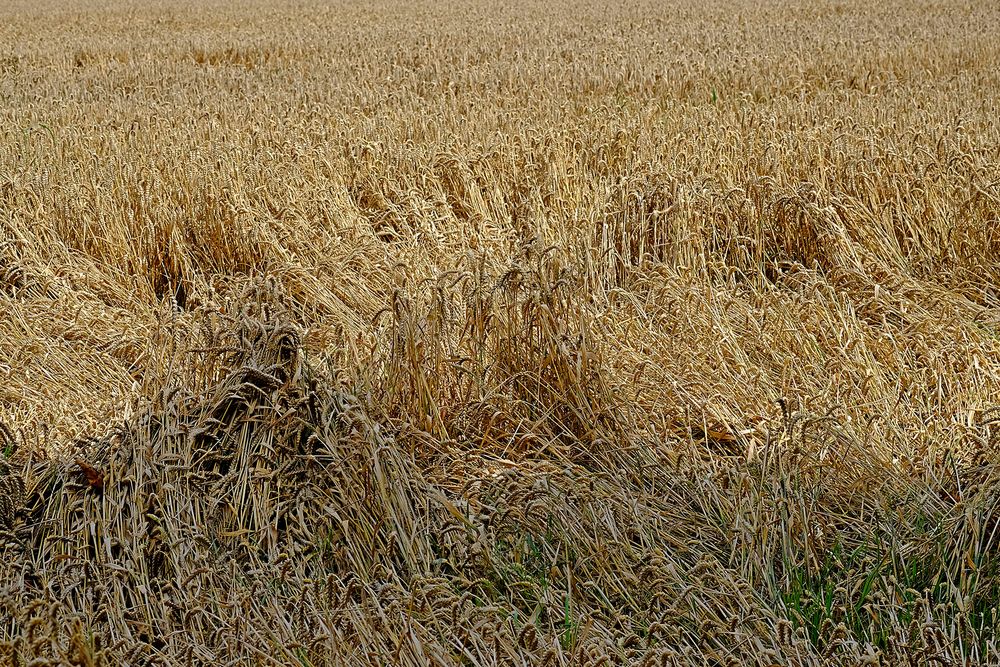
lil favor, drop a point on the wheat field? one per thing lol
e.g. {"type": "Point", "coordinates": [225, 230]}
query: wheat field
{"type": "Point", "coordinates": [500, 333]}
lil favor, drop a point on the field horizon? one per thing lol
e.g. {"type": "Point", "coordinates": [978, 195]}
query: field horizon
{"type": "Point", "coordinates": [500, 333]}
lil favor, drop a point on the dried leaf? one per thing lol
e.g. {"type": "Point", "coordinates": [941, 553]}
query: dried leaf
{"type": "Point", "coordinates": [94, 477]}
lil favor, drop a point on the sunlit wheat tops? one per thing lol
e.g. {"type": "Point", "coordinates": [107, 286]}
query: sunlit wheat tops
{"type": "Point", "coordinates": [499, 333]}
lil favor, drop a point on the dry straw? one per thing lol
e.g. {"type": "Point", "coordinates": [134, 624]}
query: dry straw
{"type": "Point", "coordinates": [500, 334]}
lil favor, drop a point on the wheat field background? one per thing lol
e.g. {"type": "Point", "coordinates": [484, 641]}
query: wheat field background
{"type": "Point", "coordinates": [500, 333]}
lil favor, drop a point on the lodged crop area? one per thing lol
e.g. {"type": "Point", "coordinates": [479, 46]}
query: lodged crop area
{"type": "Point", "coordinates": [500, 333]}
